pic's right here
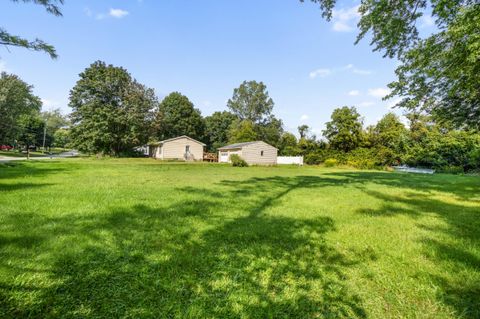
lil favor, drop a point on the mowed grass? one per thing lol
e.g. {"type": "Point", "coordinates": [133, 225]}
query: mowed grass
{"type": "Point", "coordinates": [139, 238]}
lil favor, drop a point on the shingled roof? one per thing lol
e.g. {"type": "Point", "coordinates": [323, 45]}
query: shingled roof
{"type": "Point", "coordinates": [237, 145]}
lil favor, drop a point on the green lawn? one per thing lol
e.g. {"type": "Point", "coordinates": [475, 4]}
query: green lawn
{"type": "Point", "coordinates": [138, 238]}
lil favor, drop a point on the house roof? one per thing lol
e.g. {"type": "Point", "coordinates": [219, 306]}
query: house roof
{"type": "Point", "coordinates": [239, 145]}
{"type": "Point", "coordinates": [176, 138]}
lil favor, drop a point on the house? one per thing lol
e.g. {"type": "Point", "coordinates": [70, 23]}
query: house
{"type": "Point", "coordinates": [181, 148]}
{"type": "Point", "coordinates": [257, 152]}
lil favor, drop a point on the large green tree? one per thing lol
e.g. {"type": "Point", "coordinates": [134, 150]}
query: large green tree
{"type": "Point", "coordinates": [438, 73]}
{"type": "Point", "coordinates": [217, 126]}
{"type": "Point", "coordinates": [112, 112]}
{"type": "Point", "coordinates": [345, 130]}
{"type": "Point", "coordinates": [31, 129]}
{"type": "Point", "coordinates": [16, 100]}
{"type": "Point", "coordinates": [8, 39]}
{"type": "Point", "coordinates": [54, 120]}
{"type": "Point", "coordinates": [177, 116]}
{"type": "Point", "coordinates": [242, 131]}
{"type": "Point", "coordinates": [250, 101]}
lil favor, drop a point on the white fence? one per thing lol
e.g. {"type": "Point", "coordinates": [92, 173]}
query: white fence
{"type": "Point", "coordinates": [298, 160]}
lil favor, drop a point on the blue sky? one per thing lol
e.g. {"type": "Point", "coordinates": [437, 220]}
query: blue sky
{"type": "Point", "coordinates": [204, 49]}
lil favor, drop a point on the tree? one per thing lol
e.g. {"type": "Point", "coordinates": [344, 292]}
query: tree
{"type": "Point", "coordinates": [61, 138]}
{"type": "Point", "coordinates": [54, 120]}
{"type": "Point", "coordinates": [344, 131]}
{"type": "Point", "coordinates": [177, 116]}
{"type": "Point", "coordinates": [251, 102]}
{"type": "Point", "coordinates": [217, 126]}
{"type": "Point", "coordinates": [112, 112]}
{"type": "Point", "coordinates": [242, 131]}
{"type": "Point", "coordinates": [303, 130]}
{"type": "Point", "coordinates": [389, 132]}
{"type": "Point", "coordinates": [52, 6]}
{"type": "Point", "coordinates": [439, 73]}
{"type": "Point", "coordinates": [16, 100]}
{"type": "Point", "coordinates": [288, 144]}
{"type": "Point", "coordinates": [270, 131]}
{"type": "Point", "coordinates": [31, 128]}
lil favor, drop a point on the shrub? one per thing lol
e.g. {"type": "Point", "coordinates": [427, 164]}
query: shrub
{"type": "Point", "coordinates": [313, 159]}
{"type": "Point", "coordinates": [331, 162]}
{"type": "Point", "coordinates": [452, 169]}
{"type": "Point", "coordinates": [238, 161]}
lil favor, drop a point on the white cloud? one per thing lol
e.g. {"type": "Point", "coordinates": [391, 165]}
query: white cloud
{"type": "Point", "coordinates": [379, 92]}
{"type": "Point", "coordinates": [344, 19]}
{"type": "Point", "coordinates": [320, 73]}
{"type": "Point", "coordinates": [366, 103]}
{"type": "Point", "coordinates": [354, 93]}
{"type": "Point", "coordinates": [118, 13]}
{"type": "Point", "coordinates": [361, 72]}
{"type": "Point", "coordinates": [356, 70]}
{"type": "Point", "coordinates": [304, 117]}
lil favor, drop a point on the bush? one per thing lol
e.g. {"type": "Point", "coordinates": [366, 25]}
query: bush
{"type": "Point", "coordinates": [313, 159]}
{"type": "Point", "coordinates": [452, 169]}
{"type": "Point", "coordinates": [331, 162]}
{"type": "Point", "coordinates": [238, 161]}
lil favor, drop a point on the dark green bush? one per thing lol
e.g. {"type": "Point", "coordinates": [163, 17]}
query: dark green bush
{"type": "Point", "coordinates": [237, 161]}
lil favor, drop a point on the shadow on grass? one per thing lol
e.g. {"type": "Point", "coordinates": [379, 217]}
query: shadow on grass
{"type": "Point", "coordinates": [19, 169]}
{"type": "Point", "coordinates": [184, 260]}
{"type": "Point", "coordinates": [462, 223]}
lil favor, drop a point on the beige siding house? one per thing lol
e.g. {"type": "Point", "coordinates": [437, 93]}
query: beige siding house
{"type": "Point", "coordinates": [257, 153]}
{"type": "Point", "coordinates": [181, 148]}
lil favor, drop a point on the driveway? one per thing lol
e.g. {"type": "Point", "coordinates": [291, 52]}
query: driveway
{"type": "Point", "coordinates": [73, 153]}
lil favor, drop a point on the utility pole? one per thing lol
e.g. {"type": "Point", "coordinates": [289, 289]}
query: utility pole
{"type": "Point", "coordinates": [44, 135]}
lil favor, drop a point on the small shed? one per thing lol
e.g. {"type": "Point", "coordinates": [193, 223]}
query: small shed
{"type": "Point", "coordinates": [256, 152]}
{"type": "Point", "coordinates": [180, 148]}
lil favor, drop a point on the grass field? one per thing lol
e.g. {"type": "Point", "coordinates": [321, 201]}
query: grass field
{"type": "Point", "coordinates": [138, 238]}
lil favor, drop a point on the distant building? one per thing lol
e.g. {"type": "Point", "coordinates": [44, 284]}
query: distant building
{"type": "Point", "coordinates": [180, 148]}
{"type": "Point", "coordinates": [257, 153]}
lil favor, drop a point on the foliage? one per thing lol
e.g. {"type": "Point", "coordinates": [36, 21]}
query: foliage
{"type": "Point", "coordinates": [344, 131]}
{"type": "Point", "coordinates": [242, 131]}
{"type": "Point", "coordinates": [112, 112]}
{"type": "Point", "coordinates": [61, 138]}
{"type": "Point", "coordinates": [303, 131]}
{"type": "Point", "coordinates": [54, 121]}
{"type": "Point", "coordinates": [7, 39]}
{"type": "Point", "coordinates": [237, 161]}
{"type": "Point", "coordinates": [438, 73]}
{"type": "Point", "coordinates": [217, 126]}
{"type": "Point", "coordinates": [31, 127]}
{"type": "Point", "coordinates": [441, 74]}
{"type": "Point", "coordinates": [270, 131]}
{"type": "Point", "coordinates": [288, 144]}
{"type": "Point", "coordinates": [331, 162]}
{"type": "Point", "coordinates": [251, 102]}
{"type": "Point", "coordinates": [16, 100]}
{"type": "Point", "coordinates": [177, 116]}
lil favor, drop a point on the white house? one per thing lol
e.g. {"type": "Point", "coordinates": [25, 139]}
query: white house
{"type": "Point", "coordinates": [181, 148]}
{"type": "Point", "coordinates": [257, 152]}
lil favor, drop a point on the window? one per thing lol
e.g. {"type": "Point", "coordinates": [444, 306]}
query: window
{"type": "Point", "coordinates": [187, 149]}
{"type": "Point", "coordinates": [224, 154]}
{"type": "Point", "coordinates": [261, 153]}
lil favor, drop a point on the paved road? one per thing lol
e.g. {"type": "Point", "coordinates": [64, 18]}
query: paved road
{"type": "Point", "coordinates": [73, 153]}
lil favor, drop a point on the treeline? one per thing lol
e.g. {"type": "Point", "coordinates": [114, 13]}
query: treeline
{"type": "Point", "coordinates": [424, 143]}
{"type": "Point", "coordinates": [112, 114]}
{"type": "Point", "coordinates": [22, 123]}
